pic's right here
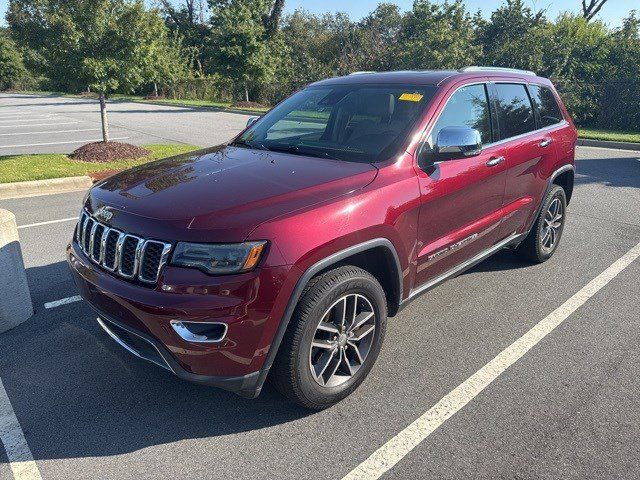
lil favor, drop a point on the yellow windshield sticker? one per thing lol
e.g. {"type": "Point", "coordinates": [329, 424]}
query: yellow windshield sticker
{"type": "Point", "coordinates": [410, 97]}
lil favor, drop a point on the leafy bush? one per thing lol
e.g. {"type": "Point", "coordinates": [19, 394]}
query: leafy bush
{"type": "Point", "coordinates": [12, 68]}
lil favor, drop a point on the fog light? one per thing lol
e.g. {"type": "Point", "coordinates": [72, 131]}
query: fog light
{"type": "Point", "coordinates": [200, 332]}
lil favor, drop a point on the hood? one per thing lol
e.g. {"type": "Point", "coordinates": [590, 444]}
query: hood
{"type": "Point", "coordinates": [221, 194]}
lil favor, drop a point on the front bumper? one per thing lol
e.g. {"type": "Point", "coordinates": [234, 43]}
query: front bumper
{"type": "Point", "coordinates": [139, 318]}
{"type": "Point", "coordinates": [150, 349]}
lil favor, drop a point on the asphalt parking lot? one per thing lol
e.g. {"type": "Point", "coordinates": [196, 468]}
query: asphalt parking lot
{"type": "Point", "coordinates": [57, 124]}
{"type": "Point", "coordinates": [567, 409]}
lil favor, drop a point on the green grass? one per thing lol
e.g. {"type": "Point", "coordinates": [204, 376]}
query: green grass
{"type": "Point", "coordinates": [609, 135]}
{"type": "Point", "coordinates": [21, 168]}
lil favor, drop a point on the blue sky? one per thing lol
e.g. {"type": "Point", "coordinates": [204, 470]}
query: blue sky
{"type": "Point", "coordinates": [613, 11]}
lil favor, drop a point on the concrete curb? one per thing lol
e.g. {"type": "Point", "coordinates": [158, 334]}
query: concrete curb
{"type": "Point", "coordinates": [44, 187]}
{"type": "Point", "coordinates": [16, 306]}
{"type": "Point", "coordinates": [586, 142]}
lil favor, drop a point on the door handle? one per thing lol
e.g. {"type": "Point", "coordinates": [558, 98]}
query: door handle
{"type": "Point", "coordinates": [495, 161]}
{"type": "Point", "coordinates": [546, 142]}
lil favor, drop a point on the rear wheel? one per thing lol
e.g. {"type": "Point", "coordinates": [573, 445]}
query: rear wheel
{"type": "Point", "coordinates": [544, 237]}
{"type": "Point", "coordinates": [333, 339]}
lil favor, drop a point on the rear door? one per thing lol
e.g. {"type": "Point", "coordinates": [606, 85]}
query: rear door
{"type": "Point", "coordinates": [529, 149]}
{"type": "Point", "coordinates": [460, 198]}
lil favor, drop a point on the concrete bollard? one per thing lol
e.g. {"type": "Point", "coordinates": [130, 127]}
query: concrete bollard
{"type": "Point", "coordinates": [15, 299]}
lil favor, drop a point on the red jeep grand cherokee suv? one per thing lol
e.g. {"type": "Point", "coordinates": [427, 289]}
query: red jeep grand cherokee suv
{"type": "Point", "coordinates": [283, 253]}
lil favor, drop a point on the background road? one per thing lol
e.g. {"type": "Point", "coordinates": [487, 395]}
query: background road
{"type": "Point", "coordinates": [57, 124]}
{"type": "Point", "coordinates": [567, 409]}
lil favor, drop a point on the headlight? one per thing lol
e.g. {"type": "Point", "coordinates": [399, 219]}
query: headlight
{"type": "Point", "coordinates": [218, 258]}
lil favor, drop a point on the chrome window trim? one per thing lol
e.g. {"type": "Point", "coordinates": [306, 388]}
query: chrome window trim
{"type": "Point", "coordinates": [533, 132]}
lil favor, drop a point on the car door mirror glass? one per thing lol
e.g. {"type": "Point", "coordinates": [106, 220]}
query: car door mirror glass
{"type": "Point", "coordinates": [251, 121]}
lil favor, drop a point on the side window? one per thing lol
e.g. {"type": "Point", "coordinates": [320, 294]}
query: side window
{"type": "Point", "coordinates": [466, 107]}
{"type": "Point", "coordinates": [544, 100]}
{"type": "Point", "coordinates": [515, 114]}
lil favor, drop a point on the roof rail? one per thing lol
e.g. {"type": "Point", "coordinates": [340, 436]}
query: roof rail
{"type": "Point", "coordinates": [361, 73]}
{"type": "Point", "coordinates": [475, 68]}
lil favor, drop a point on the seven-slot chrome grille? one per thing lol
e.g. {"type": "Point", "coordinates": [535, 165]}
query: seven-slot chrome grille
{"type": "Point", "coordinates": [124, 254]}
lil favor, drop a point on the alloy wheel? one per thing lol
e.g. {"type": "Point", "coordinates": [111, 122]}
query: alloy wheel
{"type": "Point", "coordinates": [342, 340]}
{"type": "Point", "coordinates": [552, 225]}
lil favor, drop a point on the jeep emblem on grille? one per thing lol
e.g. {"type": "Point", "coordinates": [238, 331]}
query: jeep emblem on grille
{"type": "Point", "coordinates": [103, 214]}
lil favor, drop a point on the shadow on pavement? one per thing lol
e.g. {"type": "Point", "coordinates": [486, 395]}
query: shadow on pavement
{"type": "Point", "coordinates": [612, 172]}
{"type": "Point", "coordinates": [77, 393]}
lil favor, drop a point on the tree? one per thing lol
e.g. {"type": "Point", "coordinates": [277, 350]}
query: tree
{"type": "Point", "coordinates": [436, 36]}
{"type": "Point", "coordinates": [103, 45]}
{"type": "Point", "coordinates": [512, 37]}
{"type": "Point", "coordinates": [187, 22]}
{"type": "Point", "coordinates": [239, 43]}
{"type": "Point", "coordinates": [11, 65]}
{"type": "Point", "coordinates": [591, 9]}
{"type": "Point", "coordinates": [272, 20]}
{"type": "Point", "coordinates": [621, 92]}
{"type": "Point", "coordinates": [376, 43]}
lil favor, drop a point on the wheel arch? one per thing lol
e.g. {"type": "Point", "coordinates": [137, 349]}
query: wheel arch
{"type": "Point", "coordinates": [375, 249]}
{"type": "Point", "coordinates": [565, 180]}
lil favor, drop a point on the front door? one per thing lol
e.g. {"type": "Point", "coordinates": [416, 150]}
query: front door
{"type": "Point", "coordinates": [461, 199]}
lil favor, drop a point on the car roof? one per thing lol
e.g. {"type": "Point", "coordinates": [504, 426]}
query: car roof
{"type": "Point", "coordinates": [428, 77]}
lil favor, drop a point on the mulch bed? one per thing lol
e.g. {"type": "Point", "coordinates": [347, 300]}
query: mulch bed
{"type": "Point", "coordinates": [100, 152]}
{"type": "Point", "coordinates": [155, 97]}
{"type": "Point", "coordinates": [248, 105]}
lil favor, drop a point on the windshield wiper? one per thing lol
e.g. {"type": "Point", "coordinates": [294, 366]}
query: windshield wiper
{"type": "Point", "coordinates": [302, 150]}
{"type": "Point", "coordinates": [245, 144]}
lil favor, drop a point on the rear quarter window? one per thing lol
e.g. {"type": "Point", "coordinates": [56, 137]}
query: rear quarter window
{"type": "Point", "coordinates": [515, 112]}
{"type": "Point", "coordinates": [546, 105]}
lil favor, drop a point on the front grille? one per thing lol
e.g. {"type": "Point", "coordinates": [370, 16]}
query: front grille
{"type": "Point", "coordinates": [122, 253]}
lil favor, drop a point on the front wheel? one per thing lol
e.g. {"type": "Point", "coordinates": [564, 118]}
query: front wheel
{"type": "Point", "coordinates": [544, 237]}
{"type": "Point", "coordinates": [333, 340]}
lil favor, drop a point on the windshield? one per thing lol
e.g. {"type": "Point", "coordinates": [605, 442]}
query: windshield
{"type": "Point", "coordinates": [363, 123]}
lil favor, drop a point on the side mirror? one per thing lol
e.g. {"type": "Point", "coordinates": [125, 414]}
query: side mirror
{"type": "Point", "coordinates": [451, 143]}
{"type": "Point", "coordinates": [251, 121]}
{"type": "Point", "coordinates": [457, 142]}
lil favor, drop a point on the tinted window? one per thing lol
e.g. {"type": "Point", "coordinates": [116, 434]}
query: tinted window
{"type": "Point", "coordinates": [466, 107]}
{"type": "Point", "coordinates": [545, 102]}
{"type": "Point", "coordinates": [515, 114]}
{"type": "Point", "coordinates": [346, 122]}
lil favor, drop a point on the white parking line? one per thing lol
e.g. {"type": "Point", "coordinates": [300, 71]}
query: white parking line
{"type": "Point", "coordinates": [20, 457]}
{"type": "Point", "coordinates": [63, 301]}
{"type": "Point", "coordinates": [24, 113]}
{"type": "Point", "coordinates": [28, 120]}
{"type": "Point", "coordinates": [383, 459]}
{"type": "Point", "coordinates": [50, 131]}
{"type": "Point", "coordinates": [60, 143]}
{"type": "Point", "coordinates": [48, 222]}
{"type": "Point", "coordinates": [38, 124]}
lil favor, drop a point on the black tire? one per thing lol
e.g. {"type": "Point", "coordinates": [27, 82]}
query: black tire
{"type": "Point", "coordinates": [535, 247]}
{"type": "Point", "coordinates": [291, 372]}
